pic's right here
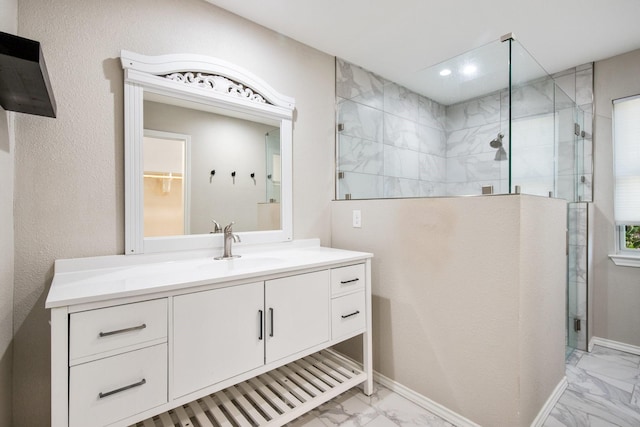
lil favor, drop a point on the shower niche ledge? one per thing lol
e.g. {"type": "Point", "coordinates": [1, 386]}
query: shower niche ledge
{"type": "Point", "coordinates": [174, 341]}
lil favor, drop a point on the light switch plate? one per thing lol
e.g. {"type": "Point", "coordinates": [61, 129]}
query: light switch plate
{"type": "Point", "coordinates": [357, 219]}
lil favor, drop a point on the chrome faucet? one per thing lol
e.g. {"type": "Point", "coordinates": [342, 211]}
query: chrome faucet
{"type": "Point", "coordinates": [229, 238]}
{"type": "Point", "coordinates": [216, 227]}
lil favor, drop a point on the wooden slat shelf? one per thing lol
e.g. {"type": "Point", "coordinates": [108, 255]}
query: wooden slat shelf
{"type": "Point", "coordinates": [271, 399]}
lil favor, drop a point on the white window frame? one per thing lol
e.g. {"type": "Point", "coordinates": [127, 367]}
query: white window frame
{"type": "Point", "coordinates": [623, 256]}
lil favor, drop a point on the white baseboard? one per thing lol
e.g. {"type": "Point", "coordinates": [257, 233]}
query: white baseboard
{"type": "Point", "coordinates": [615, 345]}
{"type": "Point", "coordinates": [423, 401]}
{"type": "Point", "coordinates": [550, 403]}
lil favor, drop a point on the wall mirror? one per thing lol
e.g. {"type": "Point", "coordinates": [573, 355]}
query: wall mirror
{"type": "Point", "coordinates": [205, 141]}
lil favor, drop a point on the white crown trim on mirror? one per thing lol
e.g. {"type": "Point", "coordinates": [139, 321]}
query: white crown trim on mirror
{"type": "Point", "coordinates": [216, 83]}
{"type": "Point", "coordinates": [159, 66]}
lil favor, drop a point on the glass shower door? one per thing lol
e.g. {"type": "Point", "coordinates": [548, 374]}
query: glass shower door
{"type": "Point", "coordinates": [576, 229]}
{"type": "Point", "coordinates": [572, 286]}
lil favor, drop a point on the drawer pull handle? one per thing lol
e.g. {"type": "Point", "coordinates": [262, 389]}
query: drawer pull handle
{"type": "Point", "coordinates": [118, 390]}
{"type": "Point", "coordinates": [344, 316]}
{"type": "Point", "coordinates": [344, 282]}
{"type": "Point", "coordinates": [121, 331]}
{"type": "Point", "coordinates": [260, 315]}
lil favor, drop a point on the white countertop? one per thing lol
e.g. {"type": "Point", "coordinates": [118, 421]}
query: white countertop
{"type": "Point", "coordinates": [87, 280]}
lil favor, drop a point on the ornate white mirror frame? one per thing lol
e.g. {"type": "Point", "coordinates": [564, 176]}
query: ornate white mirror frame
{"type": "Point", "coordinates": [218, 86]}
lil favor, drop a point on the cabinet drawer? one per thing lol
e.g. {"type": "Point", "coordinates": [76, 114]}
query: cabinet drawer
{"type": "Point", "coordinates": [347, 314]}
{"type": "Point", "coordinates": [347, 279]}
{"type": "Point", "coordinates": [117, 387]}
{"type": "Point", "coordinates": [108, 330]}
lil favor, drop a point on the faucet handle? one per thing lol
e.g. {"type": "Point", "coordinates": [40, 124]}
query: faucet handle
{"type": "Point", "coordinates": [229, 228]}
{"type": "Point", "coordinates": [216, 227]}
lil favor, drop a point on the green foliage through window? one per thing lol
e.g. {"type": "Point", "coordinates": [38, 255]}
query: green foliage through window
{"type": "Point", "coordinates": [632, 236]}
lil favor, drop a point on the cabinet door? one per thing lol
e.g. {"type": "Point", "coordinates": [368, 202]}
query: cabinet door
{"type": "Point", "coordinates": [297, 310]}
{"type": "Point", "coordinates": [216, 335]}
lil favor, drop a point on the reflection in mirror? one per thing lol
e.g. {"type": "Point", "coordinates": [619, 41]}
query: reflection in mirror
{"type": "Point", "coordinates": [269, 211]}
{"type": "Point", "coordinates": [220, 145]}
{"type": "Point", "coordinates": [166, 178]}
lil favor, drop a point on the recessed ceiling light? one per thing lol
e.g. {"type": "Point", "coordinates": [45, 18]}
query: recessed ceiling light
{"type": "Point", "coordinates": [469, 69]}
{"type": "Point", "coordinates": [445, 72]}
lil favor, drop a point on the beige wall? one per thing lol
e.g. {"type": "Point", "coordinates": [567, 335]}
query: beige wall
{"type": "Point", "coordinates": [543, 293]}
{"type": "Point", "coordinates": [616, 289]}
{"type": "Point", "coordinates": [469, 298]}
{"type": "Point", "coordinates": [69, 170]}
{"type": "Point", "coordinates": [8, 24]}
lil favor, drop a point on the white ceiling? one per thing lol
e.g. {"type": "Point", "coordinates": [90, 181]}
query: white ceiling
{"type": "Point", "coordinates": [398, 38]}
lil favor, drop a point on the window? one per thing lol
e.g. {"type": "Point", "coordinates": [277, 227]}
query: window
{"type": "Point", "coordinates": [626, 143]}
{"type": "Point", "coordinates": [630, 238]}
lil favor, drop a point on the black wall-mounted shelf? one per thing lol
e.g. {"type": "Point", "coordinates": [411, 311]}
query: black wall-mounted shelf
{"type": "Point", "coordinates": [24, 81]}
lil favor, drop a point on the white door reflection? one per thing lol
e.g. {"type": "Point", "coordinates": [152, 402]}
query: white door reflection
{"type": "Point", "coordinates": [166, 183]}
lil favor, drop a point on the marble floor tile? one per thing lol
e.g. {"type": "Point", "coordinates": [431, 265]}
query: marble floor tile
{"type": "Point", "coordinates": [603, 391]}
{"type": "Point", "coordinates": [635, 397]}
{"type": "Point", "coordinates": [583, 407]}
{"type": "Point", "coordinates": [609, 366]}
{"type": "Point", "coordinates": [347, 410]}
{"type": "Point", "coordinates": [383, 408]}
{"type": "Point", "coordinates": [381, 421]}
{"type": "Point", "coordinates": [616, 356]}
{"type": "Point", "coordinates": [574, 358]}
{"type": "Point", "coordinates": [309, 420]}
{"type": "Point", "coordinates": [582, 382]}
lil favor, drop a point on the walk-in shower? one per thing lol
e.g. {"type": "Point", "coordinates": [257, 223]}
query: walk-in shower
{"type": "Point", "coordinates": [427, 134]}
{"type": "Point", "coordinates": [491, 117]}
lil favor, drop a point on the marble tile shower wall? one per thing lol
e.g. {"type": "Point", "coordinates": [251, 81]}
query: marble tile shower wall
{"type": "Point", "coordinates": [393, 141]}
{"type": "Point", "coordinates": [396, 143]}
{"type": "Point", "coordinates": [471, 164]}
{"type": "Point", "coordinates": [534, 134]}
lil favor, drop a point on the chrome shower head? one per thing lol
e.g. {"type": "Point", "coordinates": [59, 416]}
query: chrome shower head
{"type": "Point", "coordinates": [501, 154]}
{"type": "Point", "coordinates": [497, 141]}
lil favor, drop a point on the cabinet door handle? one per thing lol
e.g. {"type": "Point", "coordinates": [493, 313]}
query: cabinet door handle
{"type": "Point", "coordinates": [260, 315]}
{"type": "Point", "coordinates": [344, 316]}
{"type": "Point", "coordinates": [118, 390]}
{"type": "Point", "coordinates": [121, 331]}
{"type": "Point", "coordinates": [271, 321]}
{"type": "Point", "coordinates": [344, 282]}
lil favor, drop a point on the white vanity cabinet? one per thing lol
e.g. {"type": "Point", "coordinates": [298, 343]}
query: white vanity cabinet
{"type": "Point", "coordinates": [221, 333]}
{"type": "Point", "coordinates": [170, 343]}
